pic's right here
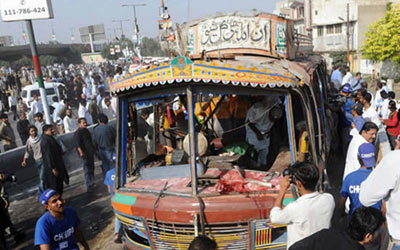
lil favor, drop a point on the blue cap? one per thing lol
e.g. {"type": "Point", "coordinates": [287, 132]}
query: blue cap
{"type": "Point", "coordinates": [45, 196]}
{"type": "Point", "coordinates": [347, 88]}
{"type": "Point", "coordinates": [366, 152]}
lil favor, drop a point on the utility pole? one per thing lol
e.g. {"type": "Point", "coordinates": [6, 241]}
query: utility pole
{"type": "Point", "coordinates": [120, 21]}
{"type": "Point", "coordinates": [38, 70]}
{"type": "Point", "coordinates": [53, 35]}
{"type": "Point", "coordinates": [348, 34]}
{"type": "Point", "coordinates": [24, 36]}
{"type": "Point", "coordinates": [72, 35]}
{"type": "Point", "coordinates": [136, 28]}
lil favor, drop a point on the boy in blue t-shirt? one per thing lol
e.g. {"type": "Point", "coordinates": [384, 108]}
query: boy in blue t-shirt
{"type": "Point", "coordinates": [352, 182]}
{"type": "Point", "coordinates": [58, 229]}
{"type": "Point", "coordinates": [109, 182]}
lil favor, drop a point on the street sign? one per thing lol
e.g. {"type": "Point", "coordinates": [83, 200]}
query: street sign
{"type": "Point", "coordinates": [19, 10]}
{"type": "Point", "coordinates": [96, 31]}
{"type": "Point", "coordinates": [112, 51]}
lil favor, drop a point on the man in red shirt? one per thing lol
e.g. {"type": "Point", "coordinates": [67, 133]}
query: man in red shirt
{"type": "Point", "coordinates": [392, 124]}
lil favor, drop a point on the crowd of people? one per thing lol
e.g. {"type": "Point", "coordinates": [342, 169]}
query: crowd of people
{"type": "Point", "coordinates": [83, 100]}
{"type": "Point", "coordinates": [368, 125]}
{"type": "Point", "coordinates": [84, 93]}
{"type": "Point", "coordinates": [369, 128]}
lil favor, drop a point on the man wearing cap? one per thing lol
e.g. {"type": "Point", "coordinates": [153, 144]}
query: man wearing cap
{"type": "Point", "coordinates": [351, 184]}
{"type": "Point", "coordinates": [58, 228]}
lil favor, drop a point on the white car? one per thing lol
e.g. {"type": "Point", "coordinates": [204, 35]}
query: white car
{"type": "Point", "coordinates": [52, 89]}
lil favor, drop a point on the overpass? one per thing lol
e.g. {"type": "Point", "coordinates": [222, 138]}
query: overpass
{"type": "Point", "coordinates": [13, 53]}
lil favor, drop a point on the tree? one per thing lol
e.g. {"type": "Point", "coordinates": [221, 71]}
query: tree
{"type": "Point", "coordinates": [152, 47]}
{"type": "Point", "coordinates": [339, 58]}
{"type": "Point", "coordinates": [24, 61]}
{"type": "Point", "coordinates": [48, 60]}
{"type": "Point", "coordinates": [383, 37]}
{"type": "Point", "coordinates": [4, 64]}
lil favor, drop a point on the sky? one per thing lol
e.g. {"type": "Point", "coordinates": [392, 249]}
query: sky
{"type": "Point", "coordinates": [69, 15]}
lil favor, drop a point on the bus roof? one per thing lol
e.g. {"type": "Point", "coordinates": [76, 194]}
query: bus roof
{"type": "Point", "coordinates": [243, 71]}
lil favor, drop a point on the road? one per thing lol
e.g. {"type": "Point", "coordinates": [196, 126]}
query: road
{"type": "Point", "coordinates": [94, 210]}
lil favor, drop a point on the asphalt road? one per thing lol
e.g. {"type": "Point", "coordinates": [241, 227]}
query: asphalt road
{"type": "Point", "coordinates": [94, 209]}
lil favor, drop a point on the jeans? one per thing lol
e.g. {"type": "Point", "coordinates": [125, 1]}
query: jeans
{"type": "Point", "coordinates": [107, 162]}
{"type": "Point", "coordinates": [40, 166]}
{"type": "Point", "coordinates": [383, 140]}
{"type": "Point", "coordinates": [88, 169]}
{"type": "Point", "coordinates": [392, 140]}
{"type": "Point", "coordinates": [118, 226]}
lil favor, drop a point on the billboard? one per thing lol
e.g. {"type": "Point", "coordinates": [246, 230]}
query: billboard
{"type": "Point", "coordinates": [97, 31]}
{"type": "Point", "coordinates": [19, 10]}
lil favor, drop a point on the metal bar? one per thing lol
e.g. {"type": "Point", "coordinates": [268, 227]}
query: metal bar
{"type": "Point", "coordinates": [118, 170]}
{"type": "Point", "coordinates": [91, 42]}
{"type": "Point", "coordinates": [156, 129]}
{"type": "Point", "coordinates": [188, 195]}
{"type": "Point", "coordinates": [38, 70]}
{"type": "Point", "coordinates": [348, 33]}
{"type": "Point", "coordinates": [309, 123]}
{"type": "Point", "coordinates": [290, 127]}
{"type": "Point", "coordinates": [124, 136]}
{"type": "Point", "coordinates": [314, 100]}
{"type": "Point", "coordinates": [192, 139]}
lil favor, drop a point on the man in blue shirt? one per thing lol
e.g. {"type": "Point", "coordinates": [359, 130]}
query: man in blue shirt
{"type": "Point", "coordinates": [104, 141]}
{"type": "Point", "coordinates": [358, 121]}
{"type": "Point", "coordinates": [109, 182]}
{"type": "Point", "coordinates": [352, 182]}
{"type": "Point", "coordinates": [346, 116]}
{"type": "Point", "coordinates": [336, 77]}
{"type": "Point", "coordinates": [58, 227]}
{"type": "Point", "coordinates": [356, 82]}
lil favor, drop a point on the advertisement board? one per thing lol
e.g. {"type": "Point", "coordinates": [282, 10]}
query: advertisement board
{"type": "Point", "coordinates": [19, 10]}
{"type": "Point", "coordinates": [97, 31]}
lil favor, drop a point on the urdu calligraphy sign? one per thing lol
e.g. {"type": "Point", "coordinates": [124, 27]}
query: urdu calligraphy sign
{"type": "Point", "coordinates": [234, 32]}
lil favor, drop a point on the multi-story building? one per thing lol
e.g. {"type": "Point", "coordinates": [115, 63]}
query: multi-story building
{"type": "Point", "coordinates": [332, 19]}
{"type": "Point", "coordinates": [294, 10]}
{"type": "Point", "coordinates": [6, 41]}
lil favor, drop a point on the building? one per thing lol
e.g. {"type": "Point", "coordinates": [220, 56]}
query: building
{"type": "Point", "coordinates": [6, 41]}
{"type": "Point", "coordinates": [340, 25]}
{"type": "Point", "coordinates": [296, 11]}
